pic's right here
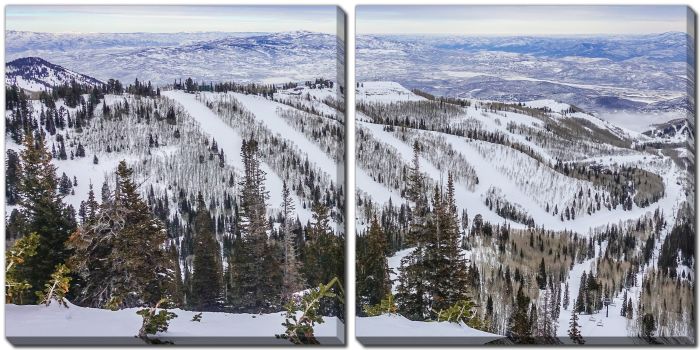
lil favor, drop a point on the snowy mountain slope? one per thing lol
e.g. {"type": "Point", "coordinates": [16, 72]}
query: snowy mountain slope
{"type": "Point", "coordinates": [253, 57]}
{"type": "Point", "coordinates": [268, 112]}
{"type": "Point", "coordinates": [52, 325]}
{"type": "Point", "coordinates": [526, 181]}
{"type": "Point", "coordinates": [35, 74]}
{"type": "Point", "coordinates": [466, 199]}
{"type": "Point", "coordinates": [673, 131]}
{"type": "Point", "coordinates": [231, 140]}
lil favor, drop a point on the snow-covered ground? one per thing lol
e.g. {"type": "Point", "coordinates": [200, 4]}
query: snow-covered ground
{"type": "Point", "coordinates": [56, 325]}
{"type": "Point", "coordinates": [398, 330]}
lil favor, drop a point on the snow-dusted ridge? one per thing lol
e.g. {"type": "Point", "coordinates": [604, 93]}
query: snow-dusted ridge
{"type": "Point", "coordinates": [35, 74]}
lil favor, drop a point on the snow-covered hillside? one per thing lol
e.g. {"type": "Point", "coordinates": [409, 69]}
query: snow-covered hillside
{"type": "Point", "coordinates": [36, 74]}
{"type": "Point", "coordinates": [542, 175]}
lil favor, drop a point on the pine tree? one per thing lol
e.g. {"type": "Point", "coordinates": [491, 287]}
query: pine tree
{"type": "Point", "coordinates": [623, 309]}
{"type": "Point", "coordinates": [574, 332]}
{"type": "Point", "coordinates": [13, 175]}
{"type": "Point", "coordinates": [91, 206]}
{"type": "Point", "coordinates": [105, 193]}
{"type": "Point", "coordinates": [520, 327]}
{"type": "Point", "coordinates": [373, 280]}
{"type": "Point", "coordinates": [412, 297]}
{"type": "Point", "coordinates": [565, 301]}
{"type": "Point", "coordinates": [648, 326]}
{"type": "Point", "coordinates": [260, 277]}
{"type": "Point", "coordinates": [458, 281]}
{"type": "Point", "coordinates": [44, 211]}
{"type": "Point", "coordinates": [206, 279]}
{"type": "Point", "coordinates": [291, 277]}
{"type": "Point", "coordinates": [65, 185]}
{"type": "Point", "coordinates": [542, 276]}
{"type": "Point", "coordinates": [630, 309]}
{"type": "Point", "coordinates": [122, 256]}
{"type": "Point", "coordinates": [324, 257]}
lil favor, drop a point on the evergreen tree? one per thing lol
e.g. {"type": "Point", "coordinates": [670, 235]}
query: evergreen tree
{"type": "Point", "coordinates": [44, 212]}
{"type": "Point", "coordinates": [565, 301]}
{"type": "Point", "coordinates": [542, 276]}
{"type": "Point", "coordinates": [412, 299]}
{"type": "Point", "coordinates": [13, 175]}
{"type": "Point", "coordinates": [65, 185]}
{"type": "Point", "coordinates": [105, 192]}
{"type": "Point", "coordinates": [259, 276]}
{"type": "Point", "coordinates": [324, 256]}
{"type": "Point", "coordinates": [291, 277]}
{"type": "Point", "coordinates": [457, 278]}
{"type": "Point", "coordinates": [630, 309]}
{"type": "Point", "coordinates": [574, 332]}
{"type": "Point", "coordinates": [91, 206]}
{"type": "Point", "coordinates": [373, 280]}
{"type": "Point", "coordinates": [520, 327]}
{"type": "Point", "coordinates": [206, 282]}
{"type": "Point", "coordinates": [121, 256]}
{"type": "Point", "coordinates": [648, 326]}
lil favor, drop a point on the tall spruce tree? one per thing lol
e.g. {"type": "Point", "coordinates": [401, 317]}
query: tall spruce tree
{"type": "Point", "coordinates": [373, 280]}
{"type": "Point", "coordinates": [206, 279]}
{"type": "Point", "coordinates": [291, 276]}
{"type": "Point", "coordinates": [122, 255]}
{"type": "Point", "coordinates": [13, 175]}
{"type": "Point", "coordinates": [574, 332]}
{"type": "Point", "coordinates": [324, 256]}
{"type": "Point", "coordinates": [45, 213]}
{"type": "Point", "coordinates": [259, 279]}
{"type": "Point", "coordinates": [413, 293]}
{"type": "Point", "coordinates": [520, 327]}
{"type": "Point", "coordinates": [457, 286]}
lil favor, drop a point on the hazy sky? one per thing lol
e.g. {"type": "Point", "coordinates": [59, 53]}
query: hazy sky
{"type": "Point", "coordinates": [520, 20]}
{"type": "Point", "coordinates": [169, 19]}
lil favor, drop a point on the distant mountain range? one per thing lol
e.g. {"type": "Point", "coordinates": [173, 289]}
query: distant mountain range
{"type": "Point", "coordinates": [602, 74]}
{"type": "Point", "coordinates": [260, 57]}
{"type": "Point", "coordinates": [35, 74]}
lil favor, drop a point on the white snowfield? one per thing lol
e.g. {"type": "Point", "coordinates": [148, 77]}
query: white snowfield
{"type": "Point", "coordinates": [397, 330]}
{"type": "Point", "coordinates": [75, 325]}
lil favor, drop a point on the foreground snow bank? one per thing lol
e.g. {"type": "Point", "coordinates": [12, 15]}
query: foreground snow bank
{"type": "Point", "coordinates": [398, 330]}
{"type": "Point", "coordinates": [56, 325]}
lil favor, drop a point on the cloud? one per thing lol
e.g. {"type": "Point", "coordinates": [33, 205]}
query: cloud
{"type": "Point", "coordinates": [168, 19]}
{"type": "Point", "coordinates": [520, 20]}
